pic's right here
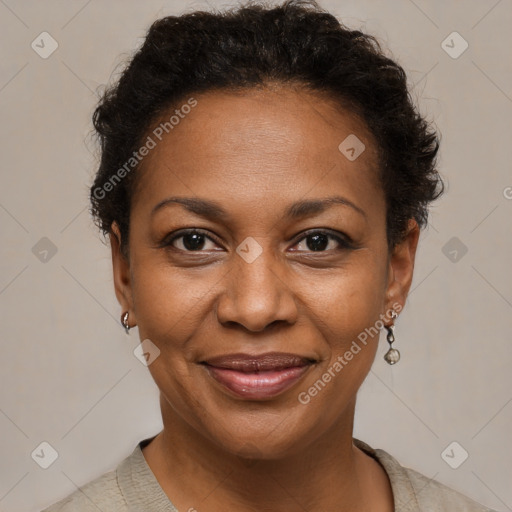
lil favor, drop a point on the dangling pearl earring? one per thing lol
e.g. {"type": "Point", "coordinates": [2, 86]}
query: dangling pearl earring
{"type": "Point", "coordinates": [392, 356]}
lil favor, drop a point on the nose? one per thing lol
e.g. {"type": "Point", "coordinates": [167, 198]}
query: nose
{"type": "Point", "coordinates": [257, 294]}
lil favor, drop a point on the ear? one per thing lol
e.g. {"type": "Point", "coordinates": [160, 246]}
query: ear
{"type": "Point", "coordinates": [121, 272]}
{"type": "Point", "coordinates": [401, 267]}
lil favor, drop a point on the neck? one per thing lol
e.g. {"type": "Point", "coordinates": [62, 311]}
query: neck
{"type": "Point", "coordinates": [327, 473]}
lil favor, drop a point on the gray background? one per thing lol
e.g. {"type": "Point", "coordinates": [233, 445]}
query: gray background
{"type": "Point", "coordinates": [69, 376]}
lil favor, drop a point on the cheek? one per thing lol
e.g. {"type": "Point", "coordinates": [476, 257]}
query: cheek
{"type": "Point", "coordinates": [168, 311]}
{"type": "Point", "coordinates": [348, 301]}
{"type": "Point", "coordinates": [346, 312]}
{"type": "Point", "coordinates": [168, 302]}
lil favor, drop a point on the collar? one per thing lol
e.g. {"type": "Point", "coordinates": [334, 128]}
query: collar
{"type": "Point", "coordinates": [404, 495]}
{"type": "Point", "coordinates": [141, 489]}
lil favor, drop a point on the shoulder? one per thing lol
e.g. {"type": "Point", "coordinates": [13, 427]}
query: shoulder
{"type": "Point", "coordinates": [130, 486]}
{"type": "Point", "coordinates": [413, 491]}
{"type": "Point", "coordinates": [433, 495]}
{"type": "Point", "coordinates": [102, 493]}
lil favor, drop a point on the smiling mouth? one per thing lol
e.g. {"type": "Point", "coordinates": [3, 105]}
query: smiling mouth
{"type": "Point", "coordinates": [258, 377]}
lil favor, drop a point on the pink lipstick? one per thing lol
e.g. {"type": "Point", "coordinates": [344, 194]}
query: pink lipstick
{"type": "Point", "coordinates": [258, 376]}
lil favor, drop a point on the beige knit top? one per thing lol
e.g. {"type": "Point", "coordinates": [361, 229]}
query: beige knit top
{"type": "Point", "coordinates": [132, 487]}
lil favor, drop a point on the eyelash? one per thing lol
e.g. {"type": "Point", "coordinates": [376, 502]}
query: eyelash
{"type": "Point", "coordinates": [344, 242]}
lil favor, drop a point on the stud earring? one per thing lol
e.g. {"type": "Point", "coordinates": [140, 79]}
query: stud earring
{"type": "Point", "coordinates": [392, 356]}
{"type": "Point", "coordinates": [124, 322]}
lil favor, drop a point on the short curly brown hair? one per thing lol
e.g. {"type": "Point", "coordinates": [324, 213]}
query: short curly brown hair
{"type": "Point", "coordinates": [249, 46]}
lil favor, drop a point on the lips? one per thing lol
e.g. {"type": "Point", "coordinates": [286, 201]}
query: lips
{"type": "Point", "coordinates": [258, 363]}
{"type": "Point", "coordinates": [258, 376]}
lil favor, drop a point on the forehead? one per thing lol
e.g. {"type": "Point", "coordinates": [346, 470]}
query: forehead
{"type": "Point", "coordinates": [259, 145]}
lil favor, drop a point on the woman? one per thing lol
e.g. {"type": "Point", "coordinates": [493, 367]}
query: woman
{"type": "Point", "coordinates": [263, 180]}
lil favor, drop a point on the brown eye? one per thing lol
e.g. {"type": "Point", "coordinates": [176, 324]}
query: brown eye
{"type": "Point", "coordinates": [190, 241]}
{"type": "Point", "coordinates": [322, 241]}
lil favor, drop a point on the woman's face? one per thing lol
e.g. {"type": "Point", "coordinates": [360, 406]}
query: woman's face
{"type": "Point", "coordinates": [279, 270]}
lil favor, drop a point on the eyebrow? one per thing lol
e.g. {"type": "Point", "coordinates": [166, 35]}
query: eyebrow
{"type": "Point", "coordinates": [210, 209]}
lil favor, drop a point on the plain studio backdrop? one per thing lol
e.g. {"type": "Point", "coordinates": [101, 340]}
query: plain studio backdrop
{"type": "Point", "coordinates": [69, 375]}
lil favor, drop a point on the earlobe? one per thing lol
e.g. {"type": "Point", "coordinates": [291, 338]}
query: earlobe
{"type": "Point", "coordinates": [401, 266]}
{"type": "Point", "coordinates": [121, 272]}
